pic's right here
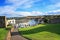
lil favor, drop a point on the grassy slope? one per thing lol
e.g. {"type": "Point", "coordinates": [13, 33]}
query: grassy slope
{"type": "Point", "coordinates": [3, 33]}
{"type": "Point", "coordinates": [42, 32]}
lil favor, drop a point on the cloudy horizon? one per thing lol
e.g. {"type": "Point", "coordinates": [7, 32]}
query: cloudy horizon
{"type": "Point", "coordinates": [15, 8]}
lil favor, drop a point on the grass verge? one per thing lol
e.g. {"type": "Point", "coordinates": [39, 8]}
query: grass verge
{"type": "Point", "coordinates": [42, 32]}
{"type": "Point", "coordinates": [3, 33]}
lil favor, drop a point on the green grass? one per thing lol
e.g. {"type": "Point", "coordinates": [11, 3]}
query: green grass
{"type": "Point", "coordinates": [42, 32]}
{"type": "Point", "coordinates": [3, 33]}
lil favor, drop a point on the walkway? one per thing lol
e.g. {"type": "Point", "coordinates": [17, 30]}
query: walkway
{"type": "Point", "coordinates": [16, 35]}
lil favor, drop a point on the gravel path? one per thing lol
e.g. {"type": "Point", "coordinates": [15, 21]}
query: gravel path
{"type": "Point", "coordinates": [16, 36]}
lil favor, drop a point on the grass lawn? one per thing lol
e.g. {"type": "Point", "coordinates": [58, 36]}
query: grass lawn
{"type": "Point", "coordinates": [3, 33]}
{"type": "Point", "coordinates": [42, 32]}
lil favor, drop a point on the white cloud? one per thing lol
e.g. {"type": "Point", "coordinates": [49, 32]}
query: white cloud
{"type": "Point", "coordinates": [23, 13]}
{"type": "Point", "coordinates": [35, 13]}
{"type": "Point", "coordinates": [10, 9]}
{"type": "Point", "coordinates": [53, 6]}
{"type": "Point", "coordinates": [6, 9]}
{"type": "Point", "coordinates": [22, 3]}
{"type": "Point", "coordinates": [53, 12]}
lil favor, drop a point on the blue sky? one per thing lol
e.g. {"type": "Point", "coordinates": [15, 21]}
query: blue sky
{"type": "Point", "coordinates": [13, 8]}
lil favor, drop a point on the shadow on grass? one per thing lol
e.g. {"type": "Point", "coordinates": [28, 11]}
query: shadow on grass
{"type": "Point", "coordinates": [54, 28]}
{"type": "Point", "coordinates": [8, 28]}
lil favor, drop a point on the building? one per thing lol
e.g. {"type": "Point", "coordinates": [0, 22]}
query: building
{"type": "Point", "coordinates": [53, 18]}
{"type": "Point", "coordinates": [37, 19]}
{"type": "Point", "coordinates": [3, 21]}
{"type": "Point", "coordinates": [11, 21]}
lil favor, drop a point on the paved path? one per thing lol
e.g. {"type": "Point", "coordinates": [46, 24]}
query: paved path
{"type": "Point", "coordinates": [16, 35]}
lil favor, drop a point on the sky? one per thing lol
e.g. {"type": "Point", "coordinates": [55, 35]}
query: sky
{"type": "Point", "coordinates": [19, 8]}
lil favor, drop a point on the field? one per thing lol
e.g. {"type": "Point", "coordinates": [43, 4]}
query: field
{"type": "Point", "coordinates": [3, 33]}
{"type": "Point", "coordinates": [41, 32]}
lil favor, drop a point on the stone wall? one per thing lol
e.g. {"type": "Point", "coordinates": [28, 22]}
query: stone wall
{"type": "Point", "coordinates": [2, 21]}
{"type": "Point", "coordinates": [55, 20]}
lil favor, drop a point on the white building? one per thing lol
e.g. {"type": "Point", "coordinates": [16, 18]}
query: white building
{"type": "Point", "coordinates": [11, 21]}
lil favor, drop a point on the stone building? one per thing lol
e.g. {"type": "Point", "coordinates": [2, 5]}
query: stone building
{"type": "Point", "coordinates": [36, 18]}
{"type": "Point", "coordinates": [53, 18]}
{"type": "Point", "coordinates": [3, 22]}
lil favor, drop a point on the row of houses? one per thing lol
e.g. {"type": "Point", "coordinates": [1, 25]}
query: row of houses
{"type": "Point", "coordinates": [33, 20]}
{"type": "Point", "coordinates": [29, 19]}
